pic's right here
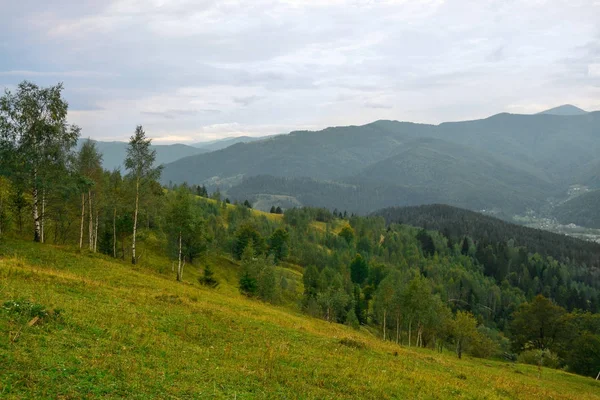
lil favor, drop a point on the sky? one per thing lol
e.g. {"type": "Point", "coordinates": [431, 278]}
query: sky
{"type": "Point", "coordinates": [199, 70]}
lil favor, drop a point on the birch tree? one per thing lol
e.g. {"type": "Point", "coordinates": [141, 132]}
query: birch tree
{"type": "Point", "coordinates": [35, 135]}
{"type": "Point", "coordinates": [89, 166]}
{"type": "Point", "coordinates": [140, 164]}
{"type": "Point", "coordinates": [184, 228]}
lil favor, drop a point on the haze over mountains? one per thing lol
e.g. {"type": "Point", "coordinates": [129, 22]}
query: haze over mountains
{"type": "Point", "coordinates": [506, 164]}
{"type": "Point", "coordinates": [114, 152]}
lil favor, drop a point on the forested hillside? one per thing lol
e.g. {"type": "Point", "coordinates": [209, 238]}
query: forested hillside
{"type": "Point", "coordinates": [509, 163]}
{"type": "Point", "coordinates": [465, 285]}
{"type": "Point", "coordinates": [457, 223]}
{"type": "Point", "coordinates": [583, 210]}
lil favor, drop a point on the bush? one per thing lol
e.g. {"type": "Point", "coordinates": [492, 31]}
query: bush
{"type": "Point", "coordinates": [534, 357]}
{"type": "Point", "coordinates": [483, 347]}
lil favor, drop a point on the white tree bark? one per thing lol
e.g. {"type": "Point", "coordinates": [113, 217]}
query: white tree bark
{"type": "Point", "coordinates": [135, 217]}
{"type": "Point", "coordinates": [115, 232]}
{"type": "Point", "coordinates": [43, 217]}
{"type": "Point", "coordinates": [36, 215]}
{"type": "Point", "coordinates": [179, 260]}
{"type": "Point", "coordinates": [90, 222]}
{"type": "Point", "coordinates": [96, 233]}
{"type": "Point", "coordinates": [82, 219]}
{"type": "Point", "coordinates": [384, 323]}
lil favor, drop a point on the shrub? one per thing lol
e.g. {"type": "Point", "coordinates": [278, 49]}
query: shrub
{"type": "Point", "coordinates": [535, 357]}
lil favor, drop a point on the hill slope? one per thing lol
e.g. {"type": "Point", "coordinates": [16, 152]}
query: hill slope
{"type": "Point", "coordinates": [133, 333]}
{"type": "Point", "coordinates": [329, 154]}
{"type": "Point", "coordinates": [457, 223]}
{"type": "Point", "coordinates": [459, 175]}
{"type": "Point", "coordinates": [224, 143]}
{"type": "Point", "coordinates": [514, 162]}
{"type": "Point", "coordinates": [583, 210]}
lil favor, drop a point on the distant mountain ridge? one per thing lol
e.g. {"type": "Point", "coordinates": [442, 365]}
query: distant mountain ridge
{"type": "Point", "coordinates": [565, 109]}
{"type": "Point", "coordinates": [508, 162]}
{"type": "Point", "coordinates": [114, 153]}
{"type": "Point", "coordinates": [219, 144]}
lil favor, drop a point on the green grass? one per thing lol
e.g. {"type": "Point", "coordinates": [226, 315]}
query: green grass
{"type": "Point", "coordinates": [135, 333]}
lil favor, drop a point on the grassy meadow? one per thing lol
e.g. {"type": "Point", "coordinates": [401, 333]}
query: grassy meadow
{"type": "Point", "coordinates": [110, 330]}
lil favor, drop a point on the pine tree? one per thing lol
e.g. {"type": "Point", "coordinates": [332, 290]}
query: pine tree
{"type": "Point", "coordinates": [208, 279]}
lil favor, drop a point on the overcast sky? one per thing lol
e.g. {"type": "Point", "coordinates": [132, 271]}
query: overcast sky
{"type": "Point", "coordinates": [194, 70]}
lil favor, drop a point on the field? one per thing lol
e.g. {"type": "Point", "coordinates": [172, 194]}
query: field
{"type": "Point", "coordinates": [134, 332]}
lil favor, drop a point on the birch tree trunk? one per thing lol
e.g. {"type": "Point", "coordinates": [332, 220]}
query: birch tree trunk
{"type": "Point", "coordinates": [90, 222]}
{"type": "Point", "coordinates": [384, 323]}
{"type": "Point", "coordinates": [96, 233]}
{"type": "Point", "coordinates": [409, 331]}
{"type": "Point", "coordinates": [115, 232]}
{"type": "Point", "coordinates": [36, 216]}
{"type": "Point", "coordinates": [82, 219]}
{"type": "Point", "coordinates": [397, 329]}
{"type": "Point", "coordinates": [179, 260]}
{"type": "Point", "coordinates": [43, 217]}
{"type": "Point", "coordinates": [135, 217]}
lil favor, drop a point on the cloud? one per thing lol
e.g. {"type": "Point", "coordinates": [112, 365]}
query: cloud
{"type": "Point", "coordinates": [172, 114]}
{"type": "Point", "coordinates": [58, 74]}
{"type": "Point", "coordinates": [188, 68]}
{"type": "Point", "coordinates": [246, 101]}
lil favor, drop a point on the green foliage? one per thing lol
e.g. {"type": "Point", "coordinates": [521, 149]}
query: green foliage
{"type": "Point", "coordinates": [248, 233]}
{"type": "Point", "coordinates": [278, 244]}
{"type": "Point", "coordinates": [584, 355]}
{"type": "Point", "coordinates": [359, 270]}
{"type": "Point", "coordinates": [251, 268]}
{"type": "Point", "coordinates": [538, 357]}
{"type": "Point", "coordinates": [35, 141]}
{"type": "Point", "coordinates": [348, 234]}
{"type": "Point", "coordinates": [464, 332]}
{"type": "Point", "coordinates": [352, 320]}
{"type": "Point", "coordinates": [267, 288]}
{"type": "Point", "coordinates": [208, 278]}
{"type": "Point", "coordinates": [539, 325]}
{"type": "Point", "coordinates": [141, 157]}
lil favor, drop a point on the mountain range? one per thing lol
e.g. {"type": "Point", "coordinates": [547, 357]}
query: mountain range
{"type": "Point", "coordinates": [506, 164]}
